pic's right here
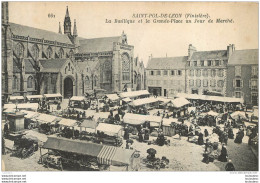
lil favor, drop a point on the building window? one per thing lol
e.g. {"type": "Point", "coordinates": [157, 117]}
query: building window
{"type": "Point", "coordinates": [213, 73]}
{"type": "Point", "coordinates": [205, 83]}
{"type": "Point", "coordinates": [237, 83]}
{"type": "Point", "coordinates": [253, 83]}
{"type": "Point", "coordinates": [237, 70]}
{"type": "Point", "coordinates": [165, 73]}
{"type": "Point", "coordinates": [191, 72]}
{"type": "Point", "coordinates": [49, 52]}
{"type": "Point", "coordinates": [254, 97]}
{"type": "Point", "coordinates": [95, 81]}
{"type": "Point", "coordinates": [191, 82]}
{"type": "Point", "coordinates": [61, 53]}
{"type": "Point", "coordinates": [19, 50]}
{"type": "Point", "coordinates": [151, 73]}
{"type": "Point", "coordinates": [220, 83]}
{"type": "Point", "coordinates": [126, 67]}
{"type": "Point", "coordinates": [254, 71]}
{"type": "Point", "coordinates": [30, 82]}
{"type": "Point", "coordinates": [87, 82]}
{"type": "Point", "coordinates": [216, 62]}
{"type": "Point", "coordinates": [158, 73]}
{"type": "Point", "coordinates": [195, 63]}
{"type": "Point", "coordinates": [15, 83]}
{"type": "Point", "coordinates": [238, 94]}
{"type": "Point", "coordinates": [179, 72]}
{"type": "Point", "coordinates": [220, 73]}
{"type": "Point", "coordinates": [198, 73]}
{"type": "Point", "coordinates": [35, 52]}
{"type": "Point", "coordinates": [188, 63]}
{"type": "Point", "coordinates": [198, 82]}
{"type": "Point", "coordinates": [71, 54]}
{"type": "Point", "coordinates": [209, 62]}
{"type": "Point", "coordinates": [205, 73]}
{"type": "Point", "coordinates": [213, 83]}
{"type": "Point", "coordinates": [172, 72]}
{"type": "Point", "coordinates": [202, 63]}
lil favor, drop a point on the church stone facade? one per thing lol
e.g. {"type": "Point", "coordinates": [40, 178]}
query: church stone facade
{"type": "Point", "coordinates": [36, 61]}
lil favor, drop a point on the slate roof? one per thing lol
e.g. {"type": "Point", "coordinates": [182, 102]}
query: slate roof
{"type": "Point", "coordinates": [23, 30]}
{"type": "Point", "coordinates": [244, 57]}
{"type": "Point", "coordinates": [52, 65]}
{"type": "Point", "coordinates": [167, 63]}
{"type": "Point", "coordinates": [207, 55]}
{"type": "Point", "coordinates": [97, 44]}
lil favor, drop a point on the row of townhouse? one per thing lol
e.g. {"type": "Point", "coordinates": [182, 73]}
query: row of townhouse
{"type": "Point", "coordinates": [230, 72]}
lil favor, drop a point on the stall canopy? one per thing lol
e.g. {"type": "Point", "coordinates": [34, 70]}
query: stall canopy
{"type": "Point", "coordinates": [127, 99]}
{"type": "Point", "coordinates": [144, 101]}
{"type": "Point", "coordinates": [101, 115]}
{"type": "Point", "coordinates": [210, 98]}
{"type": "Point", "coordinates": [52, 95]}
{"type": "Point", "coordinates": [132, 94]}
{"type": "Point", "coordinates": [32, 106]}
{"type": "Point", "coordinates": [89, 124]}
{"type": "Point", "coordinates": [16, 98]}
{"type": "Point", "coordinates": [34, 96]}
{"type": "Point", "coordinates": [77, 98]}
{"type": "Point", "coordinates": [9, 110]}
{"type": "Point", "coordinates": [109, 129]}
{"type": "Point", "coordinates": [45, 118]}
{"type": "Point", "coordinates": [9, 106]}
{"type": "Point", "coordinates": [30, 114]}
{"type": "Point", "coordinates": [109, 155]}
{"type": "Point", "coordinates": [155, 121]}
{"type": "Point", "coordinates": [238, 114]}
{"type": "Point", "coordinates": [212, 113]}
{"type": "Point", "coordinates": [134, 119]}
{"type": "Point", "coordinates": [163, 100]}
{"type": "Point", "coordinates": [179, 102]}
{"type": "Point", "coordinates": [112, 97]}
{"type": "Point", "coordinates": [68, 122]}
{"type": "Point", "coordinates": [169, 121]}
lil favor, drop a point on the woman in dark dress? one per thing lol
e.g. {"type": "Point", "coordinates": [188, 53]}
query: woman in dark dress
{"type": "Point", "coordinates": [200, 139]}
{"type": "Point", "coordinates": [223, 156]}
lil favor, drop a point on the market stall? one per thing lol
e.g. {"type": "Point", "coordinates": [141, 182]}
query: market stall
{"type": "Point", "coordinates": [155, 121]}
{"type": "Point", "coordinates": [134, 119]}
{"type": "Point", "coordinates": [28, 106]}
{"type": "Point", "coordinates": [101, 116]}
{"type": "Point", "coordinates": [16, 99]}
{"type": "Point", "coordinates": [168, 127]}
{"type": "Point", "coordinates": [135, 94]}
{"type": "Point", "coordinates": [30, 119]}
{"type": "Point", "coordinates": [88, 126]}
{"type": "Point", "coordinates": [53, 98]}
{"type": "Point", "coordinates": [149, 103]}
{"type": "Point", "coordinates": [46, 123]}
{"type": "Point", "coordinates": [34, 98]}
{"type": "Point", "coordinates": [78, 102]}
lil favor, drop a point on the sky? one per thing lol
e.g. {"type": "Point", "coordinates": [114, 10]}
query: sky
{"type": "Point", "coordinates": [158, 39]}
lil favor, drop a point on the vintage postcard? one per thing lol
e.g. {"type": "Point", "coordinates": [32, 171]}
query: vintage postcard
{"type": "Point", "coordinates": [129, 86]}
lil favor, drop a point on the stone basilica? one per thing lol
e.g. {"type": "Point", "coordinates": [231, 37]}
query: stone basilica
{"type": "Point", "coordinates": [36, 61]}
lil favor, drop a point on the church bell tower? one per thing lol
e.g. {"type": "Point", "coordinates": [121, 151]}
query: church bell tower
{"type": "Point", "coordinates": [67, 23]}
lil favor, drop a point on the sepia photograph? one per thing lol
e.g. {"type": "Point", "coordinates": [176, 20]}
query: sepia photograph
{"type": "Point", "coordinates": [129, 86]}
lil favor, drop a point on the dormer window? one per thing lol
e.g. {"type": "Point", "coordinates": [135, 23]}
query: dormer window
{"type": "Point", "coordinates": [195, 63]}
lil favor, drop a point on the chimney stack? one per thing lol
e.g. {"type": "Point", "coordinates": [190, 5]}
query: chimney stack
{"type": "Point", "coordinates": [230, 50]}
{"type": "Point", "coordinates": [191, 50]}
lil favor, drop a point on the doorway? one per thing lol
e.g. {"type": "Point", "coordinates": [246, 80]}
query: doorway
{"type": "Point", "coordinates": [68, 88]}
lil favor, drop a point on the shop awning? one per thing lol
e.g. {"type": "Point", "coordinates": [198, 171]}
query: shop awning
{"type": "Point", "coordinates": [134, 119]}
{"type": "Point", "coordinates": [144, 101]}
{"type": "Point", "coordinates": [34, 97]}
{"type": "Point", "coordinates": [134, 93]}
{"type": "Point", "coordinates": [77, 98]}
{"type": "Point", "coordinates": [109, 129]}
{"type": "Point", "coordinates": [67, 122]}
{"type": "Point", "coordinates": [52, 95]}
{"type": "Point", "coordinates": [112, 97]}
{"type": "Point", "coordinates": [179, 102]}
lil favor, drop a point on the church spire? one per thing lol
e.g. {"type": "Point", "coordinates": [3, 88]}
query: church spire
{"type": "Point", "coordinates": [75, 32]}
{"type": "Point", "coordinates": [67, 23]}
{"type": "Point", "coordinates": [60, 29]}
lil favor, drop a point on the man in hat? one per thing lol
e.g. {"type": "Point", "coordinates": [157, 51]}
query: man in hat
{"type": "Point", "coordinates": [229, 166]}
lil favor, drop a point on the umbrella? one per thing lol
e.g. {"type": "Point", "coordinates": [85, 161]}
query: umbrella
{"type": "Point", "coordinates": [237, 114]}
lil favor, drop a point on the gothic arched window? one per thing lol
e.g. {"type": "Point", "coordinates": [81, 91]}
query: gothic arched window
{"type": "Point", "coordinates": [15, 83]}
{"type": "Point", "coordinates": [61, 53]}
{"type": "Point", "coordinates": [19, 50]}
{"type": "Point", "coordinates": [35, 52]}
{"type": "Point", "coordinates": [87, 82]}
{"type": "Point", "coordinates": [49, 52]}
{"type": "Point", "coordinates": [95, 81]}
{"type": "Point", "coordinates": [125, 67]}
{"type": "Point", "coordinates": [30, 82]}
{"type": "Point", "coordinates": [71, 54]}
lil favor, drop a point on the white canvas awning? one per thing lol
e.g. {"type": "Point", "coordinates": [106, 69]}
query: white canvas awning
{"type": "Point", "coordinates": [77, 98]}
{"type": "Point", "coordinates": [134, 119]}
{"type": "Point", "coordinates": [112, 97]}
{"type": "Point", "coordinates": [16, 98]}
{"type": "Point", "coordinates": [33, 106]}
{"type": "Point", "coordinates": [155, 121]}
{"type": "Point", "coordinates": [144, 101]}
{"type": "Point", "coordinates": [238, 114]}
{"type": "Point", "coordinates": [67, 122]}
{"type": "Point", "coordinates": [109, 128]}
{"type": "Point", "coordinates": [52, 95]}
{"type": "Point", "coordinates": [134, 93]}
{"type": "Point", "coordinates": [30, 114]}
{"type": "Point", "coordinates": [127, 99]}
{"type": "Point", "coordinates": [34, 97]}
{"type": "Point", "coordinates": [101, 115]}
{"type": "Point", "coordinates": [179, 102]}
{"type": "Point", "coordinates": [212, 113]}
{"type": "Point", "coordinates": [9, 106]}
{"type": "Point", "coordinates": [46, 118]}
